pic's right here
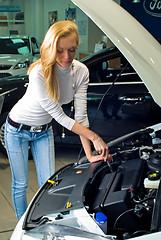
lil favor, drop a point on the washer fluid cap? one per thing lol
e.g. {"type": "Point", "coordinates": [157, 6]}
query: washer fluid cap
{"type": "Point", "coordinates": [154, 176]}
{"type": "Point", "coordinates": [100, 217]}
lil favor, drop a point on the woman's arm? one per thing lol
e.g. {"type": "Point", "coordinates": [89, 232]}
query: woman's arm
{"type": "Point", "coordinates": [80, 105]}
{"type": "Point", "coordinates": [86, 136]}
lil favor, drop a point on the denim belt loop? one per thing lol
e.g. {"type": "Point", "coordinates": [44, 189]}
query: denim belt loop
{"type": "Point", "coordinates": [19, 129]}
{"type": "Point", "coordinates": [47, 126]}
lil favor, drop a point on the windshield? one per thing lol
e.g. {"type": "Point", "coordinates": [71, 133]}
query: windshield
{"type": "Point", "coordinates": [14, 46]}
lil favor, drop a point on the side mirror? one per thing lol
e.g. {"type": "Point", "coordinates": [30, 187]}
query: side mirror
{"type": "Point", "coordinates": [37, 51]}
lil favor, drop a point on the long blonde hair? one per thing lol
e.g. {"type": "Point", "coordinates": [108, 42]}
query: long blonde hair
{"type": "Point", "coordinates": [48, 53]}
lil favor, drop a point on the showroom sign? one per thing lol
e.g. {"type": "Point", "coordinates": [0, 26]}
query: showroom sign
{"type": "Point", "coordinates": [10, 8]}
{"type": "Point", "coordinates": [153, 7]}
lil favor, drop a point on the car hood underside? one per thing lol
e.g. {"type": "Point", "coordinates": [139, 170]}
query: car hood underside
{"type": "Point", "coordinates": [140, 48]}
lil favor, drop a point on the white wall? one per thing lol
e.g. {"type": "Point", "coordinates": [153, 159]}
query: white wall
{"type": "Point", "coordinates": [5, 30]}
{"type": "Point", "coordinates": [34, 18]}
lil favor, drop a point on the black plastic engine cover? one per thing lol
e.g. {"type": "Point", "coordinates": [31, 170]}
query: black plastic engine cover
{"type": "Point", "coordinates": [114, 198]}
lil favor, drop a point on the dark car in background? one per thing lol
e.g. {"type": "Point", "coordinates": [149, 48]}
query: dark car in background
{"type": "Point", "coordinates": [118, 101]}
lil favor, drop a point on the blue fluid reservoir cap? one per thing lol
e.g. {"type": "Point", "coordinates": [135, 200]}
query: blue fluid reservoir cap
{"type": "Point", "coordinates": [100, 217]}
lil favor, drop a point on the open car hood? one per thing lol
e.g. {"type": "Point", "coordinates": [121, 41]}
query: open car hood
{"type": "Point", "coordinates": [139, 47]}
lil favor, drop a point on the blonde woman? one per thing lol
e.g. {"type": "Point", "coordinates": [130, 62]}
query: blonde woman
{"type": "Point", "coordinates": [55, 79]}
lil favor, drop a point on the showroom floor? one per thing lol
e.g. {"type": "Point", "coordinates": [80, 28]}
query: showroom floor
{"type": "Point", "coordinates": [8, 220]}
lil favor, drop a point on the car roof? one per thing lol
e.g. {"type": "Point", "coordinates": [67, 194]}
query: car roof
{"type": "Point", "coordinates": [137, 45]}
{"type": "Point", "coordinates": [15, 36]}
{"type": "Point", "coordinates": [100, 54]}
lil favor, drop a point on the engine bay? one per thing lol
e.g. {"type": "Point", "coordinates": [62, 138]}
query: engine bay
{"type": "Point", "coordinates": [127, 190]}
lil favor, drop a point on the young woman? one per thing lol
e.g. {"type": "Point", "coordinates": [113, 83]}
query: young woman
{"type": "Point", "coordinates": [55, 79]}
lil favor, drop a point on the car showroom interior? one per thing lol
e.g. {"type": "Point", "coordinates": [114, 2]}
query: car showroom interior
{"type": "Point", "coordinates": [80, 119]}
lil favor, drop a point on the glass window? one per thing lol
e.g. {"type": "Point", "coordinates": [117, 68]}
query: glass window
{"type": "Point", "coordinates": [14, 46]}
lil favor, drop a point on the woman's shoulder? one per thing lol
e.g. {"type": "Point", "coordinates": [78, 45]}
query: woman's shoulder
{"type": "Point", "coordinates": [37, 69]}
{"type": "Point", "coordinates": [77, 63]}
{"type": "Point", "coordinates": [82, 72]}
{"type": "Point", "coordinates": [36, 73]}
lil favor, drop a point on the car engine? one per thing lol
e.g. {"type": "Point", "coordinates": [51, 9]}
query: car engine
{"type": "Point", "coordinates": [128, 192]}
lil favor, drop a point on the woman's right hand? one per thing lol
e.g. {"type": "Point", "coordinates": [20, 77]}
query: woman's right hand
{"type": "Point", "coordinates": [100, 146]}
{"type": "Point", "coordinates": [102, 149]}
{"type": "Point", "coordinates": [95, 158]}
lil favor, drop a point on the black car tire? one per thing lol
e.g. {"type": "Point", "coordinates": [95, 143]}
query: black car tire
{"type": "Point", "coordinates": [2, 131]}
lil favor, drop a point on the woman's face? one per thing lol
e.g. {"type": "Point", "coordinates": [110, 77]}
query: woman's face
{"type": "Point", "coordinates": [66, 49]}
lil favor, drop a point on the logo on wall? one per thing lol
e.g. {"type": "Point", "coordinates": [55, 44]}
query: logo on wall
{"type": "Point", "coordinates": [153, 7]}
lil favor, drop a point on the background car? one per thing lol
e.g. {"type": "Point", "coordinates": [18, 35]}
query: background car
{"type": "Point", "coordinates": [17, 53]}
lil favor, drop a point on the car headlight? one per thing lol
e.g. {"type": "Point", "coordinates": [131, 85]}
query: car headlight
{"type": "Point", "coordinates": [24, 64]}
{"type": "Point", "coordinates": [52, 231]}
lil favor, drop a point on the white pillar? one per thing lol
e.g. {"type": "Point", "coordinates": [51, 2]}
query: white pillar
{"type": "Point", "coordinates": [34, 18]}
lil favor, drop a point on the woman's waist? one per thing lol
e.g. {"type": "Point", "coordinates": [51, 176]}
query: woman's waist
{"type": "Point", "coordinates": [30, 119]}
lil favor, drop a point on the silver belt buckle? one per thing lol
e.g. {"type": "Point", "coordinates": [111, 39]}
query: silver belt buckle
{"type": "Point", "coordinates": [36, 129]}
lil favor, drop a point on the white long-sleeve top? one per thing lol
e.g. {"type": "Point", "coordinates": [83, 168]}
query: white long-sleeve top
{"type": "Point", "coordinates": [37, 108]}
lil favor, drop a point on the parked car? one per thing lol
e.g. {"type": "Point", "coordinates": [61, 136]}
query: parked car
{"type": "Point", "coordinates": [127, 192]}
{"type": "Point", "coordinates": [17, 53]}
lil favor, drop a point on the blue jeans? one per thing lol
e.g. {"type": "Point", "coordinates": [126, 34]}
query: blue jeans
{"type": "Point", "coordinates": [17, 144]}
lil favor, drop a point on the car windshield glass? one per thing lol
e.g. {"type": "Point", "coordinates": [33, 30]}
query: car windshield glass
{"type": "Point", "coordinates": [14, 46]}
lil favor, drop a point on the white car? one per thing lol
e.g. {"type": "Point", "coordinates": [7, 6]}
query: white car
{"type": "Point", "coordinates": [17, 53]}
{"type": "Point", "coordinates": [118, 200]}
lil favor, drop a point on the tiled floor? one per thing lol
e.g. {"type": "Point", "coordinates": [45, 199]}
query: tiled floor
{"type": "Point", "coordinates": [8, 220]}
